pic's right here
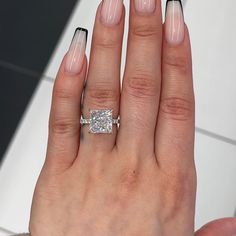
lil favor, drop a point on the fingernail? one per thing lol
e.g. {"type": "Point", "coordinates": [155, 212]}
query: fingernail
{"type": "Point", "coordinates": [174, 25]}
{"type": "Point", "coordinates": [145, 6]}
{"type": "Point", "coordinates": [76, 53]}
{"type": "Point", "coordinates": [111, 11]}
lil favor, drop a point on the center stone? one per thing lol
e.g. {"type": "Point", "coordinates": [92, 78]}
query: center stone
{"type": "Point", "coordinates": [100, 121]}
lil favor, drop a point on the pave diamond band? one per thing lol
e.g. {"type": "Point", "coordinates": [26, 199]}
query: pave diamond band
{"type": "Point", "coordinates": [100, 121]}
{"type": "Point", "coordinates": [88, 121]}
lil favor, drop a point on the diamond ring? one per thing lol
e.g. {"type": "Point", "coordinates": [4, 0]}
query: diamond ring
{"type": "Point", "coordinates": [100, 121]}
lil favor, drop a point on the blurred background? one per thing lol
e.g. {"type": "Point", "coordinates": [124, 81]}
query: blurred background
{"type": "Point", "coordinates": [35, 35]}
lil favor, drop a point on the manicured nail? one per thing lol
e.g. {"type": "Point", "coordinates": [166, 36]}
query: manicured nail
{"type": "Point", "coordinates": [174, 25]}
{"type": "Point", "coordinates": [111, 11]}
{"type": "Point", "coordinates": [145, 6]}
{"type": "Point", "coordinates": [76, 53]}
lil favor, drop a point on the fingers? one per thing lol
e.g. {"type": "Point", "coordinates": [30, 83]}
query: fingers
{"type": "Point", "coordinates": [222, 227]}
{"type": "Point", "coordinates": [175, 127]}
{"type": "Point", "coordinates": [64, 122]}
{"type": "Point", "coordinates": [103, 83]}
{"type": "Point", "coordinates": [141, 85]}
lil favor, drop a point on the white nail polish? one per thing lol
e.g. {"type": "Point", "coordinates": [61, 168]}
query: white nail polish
{"type": "Point", "coordinates": [76, 53]}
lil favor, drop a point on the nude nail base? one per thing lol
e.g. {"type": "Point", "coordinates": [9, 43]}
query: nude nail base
{"type": "Point", "coordinates": [76, 53]}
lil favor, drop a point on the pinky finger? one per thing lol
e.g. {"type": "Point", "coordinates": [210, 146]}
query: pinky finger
{"type": "Point", "coordinates": [64, 124]}
{"type": "Point", "coordinates": [175, 128]}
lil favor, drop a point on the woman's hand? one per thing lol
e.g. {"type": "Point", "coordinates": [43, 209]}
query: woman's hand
{"type": "Point", "coordinates": [139, 180]}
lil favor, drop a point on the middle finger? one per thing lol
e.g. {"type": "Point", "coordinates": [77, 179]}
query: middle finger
{"type": "Point", "coordinates": [142, 79]}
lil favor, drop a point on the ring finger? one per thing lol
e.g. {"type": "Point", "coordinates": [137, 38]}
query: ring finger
{"type": "Point", "coordinates": [102, 89]}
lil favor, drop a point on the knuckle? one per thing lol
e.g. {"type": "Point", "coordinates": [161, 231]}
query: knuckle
{"type": "Point", "coordinates": [102, 42]}
{"type": "Point", "coordinates": [177, 62]}
{"type": "Point", "coordinates": [64, 126]}
{"type": "Point", "coordinates": [64, 88]}
{"type": "Point", "coordinates": [62, 92]}
{"type": "Point", "coordinates": [141, 86]}
{"type": "Point", "coordinates": [175, 108]}
{"type": "Point", "coordinates": [102, 93]}
{"type": "Point", "coordinates": [145, 30]}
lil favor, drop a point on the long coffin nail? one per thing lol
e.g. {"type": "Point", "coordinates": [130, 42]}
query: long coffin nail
{"type": "Point", "coordinates": [174, 25]}
{"type": "Point", "coordinates": [111, 11]}
{"type": "Point", "coordinates": [145, 6]}
{"type": "Point", "coordinates": [76, 53]}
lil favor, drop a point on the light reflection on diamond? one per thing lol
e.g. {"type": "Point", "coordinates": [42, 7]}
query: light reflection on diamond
{"type": "Point", "coordinates": [101, 121]}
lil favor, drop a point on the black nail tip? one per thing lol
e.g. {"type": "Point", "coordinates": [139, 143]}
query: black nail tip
{"type": "Point", "coordinates": [84, 30]}
{"type": "Point", "coordinates": [176, 1]}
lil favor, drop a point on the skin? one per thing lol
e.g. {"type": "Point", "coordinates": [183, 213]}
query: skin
{"type": "Point", "coordinates": [140, 180]}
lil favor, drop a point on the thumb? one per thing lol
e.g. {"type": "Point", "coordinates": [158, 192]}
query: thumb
{"type": "Point", "coordinates": [222, 227]}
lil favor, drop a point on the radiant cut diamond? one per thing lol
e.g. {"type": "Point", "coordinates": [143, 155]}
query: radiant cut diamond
{"type": "Point", "coordinates": [100, 121]}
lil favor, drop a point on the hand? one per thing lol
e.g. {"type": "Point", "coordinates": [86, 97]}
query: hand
{"type": "Point", "coordinates": [141, 179]}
